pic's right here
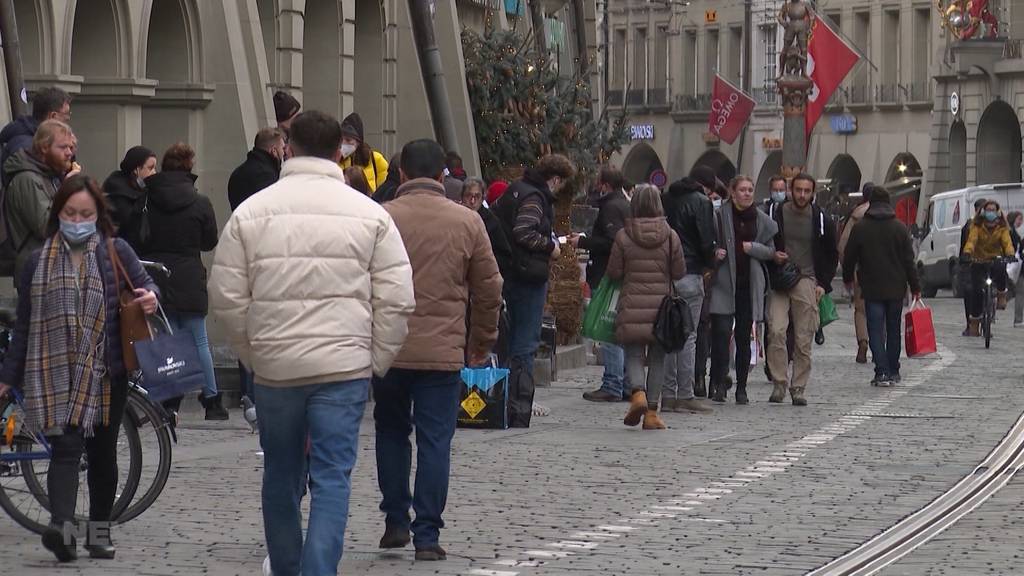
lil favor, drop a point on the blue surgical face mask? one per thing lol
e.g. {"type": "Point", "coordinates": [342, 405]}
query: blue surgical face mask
{"type": "Point", "coordinates": [779, 196]}
{"type": "Point", "coordinates": [76, 233]}
{"type": "Point", "coordinates": [990, 216]}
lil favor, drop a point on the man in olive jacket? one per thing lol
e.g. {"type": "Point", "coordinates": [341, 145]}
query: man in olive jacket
{"type": "Point", "coordinates": [36, 174]}
{"type": "Point", "coordinates": [453, 268]}
{"type": "Point", "coordinates": [881, 255]}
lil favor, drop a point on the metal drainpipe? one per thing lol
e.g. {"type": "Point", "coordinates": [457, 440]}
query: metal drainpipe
{"type": "Point", "coordinates": [433, 73]}
{"type": "Point", "coordinates": [12, 58]}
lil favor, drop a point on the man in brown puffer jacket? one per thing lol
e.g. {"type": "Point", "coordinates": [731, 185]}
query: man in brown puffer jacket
{"type": "Point", "coordinates": [452, 268]}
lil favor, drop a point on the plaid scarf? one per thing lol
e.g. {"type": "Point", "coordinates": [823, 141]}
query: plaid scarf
{"type": "Point", "coordinates": [65, 363]}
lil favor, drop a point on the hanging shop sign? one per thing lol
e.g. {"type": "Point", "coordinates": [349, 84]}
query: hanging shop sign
{"type": "Point", "coordinates": [954, 103]}
{"type": "Point", "coordinates": [844, 123]}
{"type": "Point", "coordinates": [771, 143]}
{"type": "Point", "coordinates": [710, 16]}
{"type": "Point", "coordinates": [641, 132]}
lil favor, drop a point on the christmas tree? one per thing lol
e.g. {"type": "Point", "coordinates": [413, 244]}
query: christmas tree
{"type": "Point", "coordinates": [523, 109]}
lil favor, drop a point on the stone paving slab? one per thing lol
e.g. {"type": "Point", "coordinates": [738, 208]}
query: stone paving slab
{"type": "Point", "coordinates": [581, 494]}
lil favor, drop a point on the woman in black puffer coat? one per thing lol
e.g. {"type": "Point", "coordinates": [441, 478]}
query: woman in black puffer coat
{"type": "Point", "coordinates": [183, 226]}
{"type": "Point", "coordinates": [125, 189]}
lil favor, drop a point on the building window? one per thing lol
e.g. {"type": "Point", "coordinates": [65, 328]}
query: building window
{"type": "Point", "coordinates": [735, 68]}
{"type": "Point", "coordinates": [690, 63]}
{"type": "Point", "coordinates": [637, 93]}
{"type": "Point", "coordinates": [660, 82]}
{"type": "Point", "coordinates": [920, 88]}
{"type": "Point", "coordinates": [770, 41]}
{"type": "Point", "coordinates": [889, 88]}
{"type": "Point", "coordinates": [860, 90]}
{"type": "Point", "coordinates": [712, 65]}
{"type": "Point", "coordinates": [617, 82]}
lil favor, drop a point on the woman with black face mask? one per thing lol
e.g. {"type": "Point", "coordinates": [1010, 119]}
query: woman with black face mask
{"type": "Point", "coordinates": [66, 357]}
{"type": "Point", "coordinates": [125, 189]}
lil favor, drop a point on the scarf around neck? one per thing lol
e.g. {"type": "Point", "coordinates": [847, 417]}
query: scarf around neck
{"type": "Point", "coordinates": [65, 365]}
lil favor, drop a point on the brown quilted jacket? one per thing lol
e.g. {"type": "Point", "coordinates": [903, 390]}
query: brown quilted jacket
{"type": "Point", "coordinates": [646, 257]}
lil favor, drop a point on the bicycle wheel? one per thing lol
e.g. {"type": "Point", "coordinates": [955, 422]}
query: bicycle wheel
{"type": "Point", "coordinates": [19, 496]}
{"type": "Point", "coordinates": [31, 476]}
{"type": "Point", "coordinates": [155, 456]}
{"type": "Point", "coordinates": [988, 317]}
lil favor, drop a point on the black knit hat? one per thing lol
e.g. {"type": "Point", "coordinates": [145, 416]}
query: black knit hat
{"type": "Point", "coordinates": [352, 127]}
{"type": "Point", "coordinates": [285, 106]}
{"type": "Point", "coordinates": [135, 156]}
{"type": "Point", "coordinates": [704, 176]}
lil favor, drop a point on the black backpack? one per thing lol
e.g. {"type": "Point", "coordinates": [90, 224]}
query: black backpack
{"type": "Point", "coordinates": [674, 322]}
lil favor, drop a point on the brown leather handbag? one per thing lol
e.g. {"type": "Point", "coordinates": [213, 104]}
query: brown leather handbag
{"type": "Point", "coordinates": [134, 326]}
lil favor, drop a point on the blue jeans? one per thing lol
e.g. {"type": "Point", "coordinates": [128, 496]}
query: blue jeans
{"type": "Point", "coordinates": [884, 334]}
{"type": "Point", "coordinates": [245, 382]}
{"type": "Point", "coordinates": [428, 400]}
{"type": "Point", "coordinates": [615, 378]}
{"type": "Point", "coordinates": [525, 303]}
{"type": "Point", "coordinates": [195, 324]}
{"type": "Point", "coordinates": [330, 414]}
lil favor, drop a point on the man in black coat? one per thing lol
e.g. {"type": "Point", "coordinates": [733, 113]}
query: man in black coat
{"type": "Point", "coordinates": [262, 167]}
{"type": "Point", "coordinates": [691, 215]}
{"type": "Point", "coordinates": [881, 253]}
{"type": "Point", "coordinates": [613, 209]}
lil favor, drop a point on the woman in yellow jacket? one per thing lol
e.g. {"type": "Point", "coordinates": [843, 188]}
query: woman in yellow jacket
{"type": "Point", "coordinates": [356, 152]}
{"type": "Point", "coordinates": [988, 238]}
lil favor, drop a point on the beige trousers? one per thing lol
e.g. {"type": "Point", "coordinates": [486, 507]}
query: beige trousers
{"type": "Point", "coordinates": [860, 317]}
{"type": "Point", "coordinates": [800, 307]}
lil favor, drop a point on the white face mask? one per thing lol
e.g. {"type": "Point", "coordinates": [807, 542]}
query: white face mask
{"type": "Point", "coordinates": [347, 150]}
{"type": "Point", "coordinates": [779, 196]}
{"type": "Point", "coordinates": [717, 203]}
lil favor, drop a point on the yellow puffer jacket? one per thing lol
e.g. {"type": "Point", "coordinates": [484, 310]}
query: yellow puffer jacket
{"type": "Point", "coordinates": [984, 243]}
{"type": "Point", "coordinates": [376, 172]}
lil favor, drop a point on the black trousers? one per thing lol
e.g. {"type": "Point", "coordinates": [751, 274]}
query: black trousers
{"type": "Point", "coordinates": [101, 449]}
{"type": "Point", "coordinates": [976, 297]}
{"type": "Point", "coordinates": [722, 332]}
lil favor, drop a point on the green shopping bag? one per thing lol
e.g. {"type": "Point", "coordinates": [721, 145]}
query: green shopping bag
{"type": "Point", "coordinates": [827, 312]}
{"type": "Point", "coordinates": [599, 318]}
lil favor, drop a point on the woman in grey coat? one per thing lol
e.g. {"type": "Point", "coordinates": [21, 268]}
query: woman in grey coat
{"type": "Point", "coordinates": [738, 289]}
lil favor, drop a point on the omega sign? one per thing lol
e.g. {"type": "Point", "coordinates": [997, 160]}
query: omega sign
{"type": "Point", "coordinates": [730, 109]}
{"type": "Point", "coordinates": [641, 132]}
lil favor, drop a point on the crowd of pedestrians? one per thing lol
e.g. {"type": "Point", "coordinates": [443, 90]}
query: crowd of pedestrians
{"type": "Point", "coordinates": [329, 284]}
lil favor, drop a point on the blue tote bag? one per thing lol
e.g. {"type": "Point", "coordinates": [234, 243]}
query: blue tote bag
{"type": "Point", "coordinates": [169, 363]}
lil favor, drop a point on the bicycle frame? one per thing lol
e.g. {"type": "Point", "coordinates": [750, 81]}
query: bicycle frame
{"type": "Point", "coordinates": [19, 399]}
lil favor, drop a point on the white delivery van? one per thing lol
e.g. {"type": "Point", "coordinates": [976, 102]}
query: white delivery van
{"type": "Point", "coordinates": [939, 240]}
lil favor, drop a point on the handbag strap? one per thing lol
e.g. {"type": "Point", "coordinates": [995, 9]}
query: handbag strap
{"type": "Point", "coordinates": [118, 267]}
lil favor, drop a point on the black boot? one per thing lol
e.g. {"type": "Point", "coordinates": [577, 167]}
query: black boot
{"type": "Point", "coordinates": [520, 395]}
{"type": "Point", "coordinates": [699, 389]}
{"type": "Point", "coordinates": [741, 393]}
{"type": "Point", "coordinates": [102, 547]}
{"type": "Point", "coordinates": [718, 391]}
{"type": "Point", "coordinates": [214, 409]}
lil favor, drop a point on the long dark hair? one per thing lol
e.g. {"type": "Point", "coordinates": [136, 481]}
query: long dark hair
{"type": "Point", "coordinates": [74, 185]}
{"type": "Point", "coordinates": [363, 155]}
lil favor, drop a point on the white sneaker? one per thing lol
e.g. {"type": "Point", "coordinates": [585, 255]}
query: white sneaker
{"type": "Point", "coordinates": [266, 566]}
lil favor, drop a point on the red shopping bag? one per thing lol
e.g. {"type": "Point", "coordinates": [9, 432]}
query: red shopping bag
{"type": "Point", "coordinates": [920, 330]}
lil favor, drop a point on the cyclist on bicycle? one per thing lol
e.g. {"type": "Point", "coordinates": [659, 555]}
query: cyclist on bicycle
{"type": "Point", "coordinates": [988, 239]}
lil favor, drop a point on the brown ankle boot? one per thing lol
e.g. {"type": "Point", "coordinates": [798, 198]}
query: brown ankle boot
{"type": "Point", "coordinates": [974, 327]}
{"type": "Point", "coordinates": [1001, 298]}
{"type": "Point", "coordinates": [778, 392]}
{"type": "Point", "coordinates": [637, 408]}
{"type": "Point", "coordinates": [862, 352]}
{"type": "Point", "coordinates": [797, 395]}
{"type": "Point", "coordinates": [651, 419]}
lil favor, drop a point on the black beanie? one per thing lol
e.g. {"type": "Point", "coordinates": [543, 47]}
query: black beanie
{"type": "Point", "coordinates": [135, 157]}
{"type": "Point", "coordinates": [352, 127]}
{"type": "Point", "coordinates": [285, 106]}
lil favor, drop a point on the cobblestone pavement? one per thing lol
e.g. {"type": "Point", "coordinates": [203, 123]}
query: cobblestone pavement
{"type": "Point", "coordinates": [758, 489]}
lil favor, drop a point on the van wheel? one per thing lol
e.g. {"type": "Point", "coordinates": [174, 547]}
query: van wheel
{"type": "Point", "coordinates": [927, 290]}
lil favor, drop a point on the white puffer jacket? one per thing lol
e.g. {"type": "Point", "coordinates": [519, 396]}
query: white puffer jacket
{"type": "Point", "coordinates": [311, 280]}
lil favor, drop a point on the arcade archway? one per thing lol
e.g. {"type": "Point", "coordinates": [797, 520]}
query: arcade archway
{"type": "Point", "coordinates": [845, 174]}
{"type": "Point", "coordinates": [957, 156]}
{"type": "Point", "coordinates": [640, 163]}
{"type": "Point", "coordinates": [999, 146]}
{"type": "Point", "coordinates": [720, 163]}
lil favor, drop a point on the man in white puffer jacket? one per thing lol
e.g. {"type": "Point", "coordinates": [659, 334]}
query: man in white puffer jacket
{"type": "Point", "coordinates": [312, 284]}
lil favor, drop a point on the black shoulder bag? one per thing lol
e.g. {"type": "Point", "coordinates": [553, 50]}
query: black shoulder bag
{"type": "Point", "coordinates": [674, 322]}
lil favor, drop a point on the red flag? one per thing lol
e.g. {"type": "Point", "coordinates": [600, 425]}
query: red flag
{"type": "Point", "coordinates": [730, 110]}
{"type": "Point", "coordinates": [829, 60]}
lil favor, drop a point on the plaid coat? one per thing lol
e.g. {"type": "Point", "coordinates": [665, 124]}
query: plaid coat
{"type": "Point", "coordinates": [13, 369]}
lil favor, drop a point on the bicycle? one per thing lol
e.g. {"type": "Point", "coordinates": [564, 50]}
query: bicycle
{"type": "Point", "coordinates": [988, 312]}
{"type": "Point", "coordinates": [146, 428]}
